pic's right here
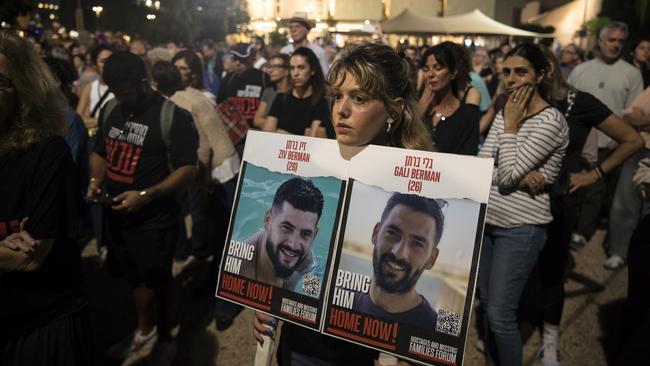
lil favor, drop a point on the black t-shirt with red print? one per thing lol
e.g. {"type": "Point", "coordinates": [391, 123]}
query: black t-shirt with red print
{"type": "Point", "coordinates": [136, 156]}
{"type": "Point", "coordinates": [39, 187]}
{"type": "Point", "coordinates": [244, 91]}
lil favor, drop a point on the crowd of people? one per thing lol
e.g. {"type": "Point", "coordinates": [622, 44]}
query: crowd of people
{"type": "Point", "coordinates": [122, 142]}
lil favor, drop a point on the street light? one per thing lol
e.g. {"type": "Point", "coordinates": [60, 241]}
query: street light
{"type": "Point", "coordinates": [98, 10]}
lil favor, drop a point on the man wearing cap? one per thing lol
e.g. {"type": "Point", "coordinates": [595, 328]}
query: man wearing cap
{"type": "Point", "coordinates": [244, 85]}
{"type": "Point", "coordinates": [142, 169]}
{"type": "Point", "coordinates": [299, 27]}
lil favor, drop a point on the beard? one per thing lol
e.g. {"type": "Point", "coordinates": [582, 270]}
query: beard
{"type": "Point", "coordinates": [280, 269]}
{"type": "Point", "coordinates": [390, 282]}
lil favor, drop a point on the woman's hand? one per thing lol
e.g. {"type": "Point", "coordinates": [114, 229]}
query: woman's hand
{"type": "Point", "coordinates": [516, 108]}
{"type": "Point", "coordinates": [582, 179]}
{"type": "Point", "coordinates": [263, 325]}
{"type": "Point", "coordinates": [426, 99]}
{"type": "Point", "coordinates": [534, 182]}
{"type": "Point", "coordinates": [20, 241]}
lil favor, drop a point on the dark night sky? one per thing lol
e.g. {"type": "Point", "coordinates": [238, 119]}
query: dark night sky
{"type": "Point", "coordinates": [122, 15]}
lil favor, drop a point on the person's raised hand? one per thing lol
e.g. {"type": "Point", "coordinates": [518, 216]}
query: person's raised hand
{"type": "Point", "coordinates": [517, 107]}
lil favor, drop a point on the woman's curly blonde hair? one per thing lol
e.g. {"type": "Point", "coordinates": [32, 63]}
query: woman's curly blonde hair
{"type": "Point", "coordinates": [40, 105]}
{"type": "Point", "coordinates": [384, 75]}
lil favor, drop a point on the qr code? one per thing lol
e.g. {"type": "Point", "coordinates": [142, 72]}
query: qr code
{"type": "Point", "coordinates": [448, 322]}
{"type": "Point", "coordinates": [311, 285]}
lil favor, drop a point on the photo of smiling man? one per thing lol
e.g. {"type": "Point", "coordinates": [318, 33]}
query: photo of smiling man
{"type": "Point", "coordinates": [405, 244]}
{"type": "Point", "coordinates": [283, 247]}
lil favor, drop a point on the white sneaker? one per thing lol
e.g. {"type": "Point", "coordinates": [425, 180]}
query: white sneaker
{"type": "Point", "coordinates": [614, 262]}
{"type": "Point", "coordinates": [180, 267]}
{"type": "Point", "coordinates": [103, 253]}
{"type": "Point", "coordinates": [578, 242]}
{"type": "Point", "coordinates": [480, 345]}
{"type": "Point", "coordinates": [549, 355]}
{"type": "Point", "coordinates": [141, 347]}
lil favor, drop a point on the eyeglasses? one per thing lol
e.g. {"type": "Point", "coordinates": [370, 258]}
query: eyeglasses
{"type": "Point", "coordinates": [5, 82]}
{"type": "Point", "coordinates": [278, 66]}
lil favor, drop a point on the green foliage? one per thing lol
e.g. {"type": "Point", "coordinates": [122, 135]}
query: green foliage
{"type": "Point", "coordinates": [278, 39]}
{"type": "Point", "coordinates": [636, 13]}
{"type": "Point", "coordinates": [189, 20]}
{"type": "Point", "coordinates": [10, 9]}
{"type": "Point", "coordinates": [237, 14]}
{"type": "Point", "coordinates": [593, 26]}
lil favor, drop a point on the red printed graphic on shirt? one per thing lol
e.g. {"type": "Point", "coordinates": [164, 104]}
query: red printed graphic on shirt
{"type": "Point", "coordinates": [8, 228]}
{"type": "Point", "coordinates": [123, 151]}
{"type": "Point", "coordinates": [247, 100]}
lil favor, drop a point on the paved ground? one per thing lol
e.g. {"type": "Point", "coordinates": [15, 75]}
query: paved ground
{"type": "Point", "coordinates": [592, 315]}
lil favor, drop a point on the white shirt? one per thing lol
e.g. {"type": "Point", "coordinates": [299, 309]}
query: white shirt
{"type": "Point", "coordinates": [318, 50]}
{"type": "Point", "coordinates": [259, 63]}
{"type": "Point", "coordinates": [539, 145]}
{"type": "Point", "coordinates": [96, 92]}
{"type": "Point", "coordinates": [617, 85]}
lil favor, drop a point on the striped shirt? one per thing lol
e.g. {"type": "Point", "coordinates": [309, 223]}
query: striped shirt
{"type": "Point", "coordinates": [539, 145]}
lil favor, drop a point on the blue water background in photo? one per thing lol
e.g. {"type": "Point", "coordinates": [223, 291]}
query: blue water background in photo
{"type": "Point", "coordinates": [257, 192]}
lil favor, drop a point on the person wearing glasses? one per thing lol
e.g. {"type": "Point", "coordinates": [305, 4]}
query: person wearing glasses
{"type": "Point", "coordinates": [243, 84]}
{"type": "Point", "coordinates": [570, 57]}
{"type": "Point", "coordinates": [302, 110]}
{"type": "Point", "coordinates": [279, 74]}
{"type": "Point", "coordinates": [44, 317]}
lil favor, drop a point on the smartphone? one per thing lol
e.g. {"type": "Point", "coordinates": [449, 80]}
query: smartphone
{"type": "Point", "coordinates": [103, 199]}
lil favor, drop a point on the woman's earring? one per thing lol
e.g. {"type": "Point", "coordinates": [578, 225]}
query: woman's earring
{"type": "Point", "coordinates": [390, 125]}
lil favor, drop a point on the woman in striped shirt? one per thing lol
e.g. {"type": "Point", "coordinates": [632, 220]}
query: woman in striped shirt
{"type": "Point", "coordinates": [527, 141]}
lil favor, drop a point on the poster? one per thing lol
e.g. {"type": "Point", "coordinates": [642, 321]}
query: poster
{"type": "Point", "coordinates": [283, 226]}
{"type": "Point", "coordinates": [405, 271]}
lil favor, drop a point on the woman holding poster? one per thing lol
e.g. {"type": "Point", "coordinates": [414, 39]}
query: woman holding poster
{"type": "Point", "coordinates": [303, 109]}
{"type": "Point", "coordinates": [373, 102]}
{"type": "Point", "coordinates": [528, 141]}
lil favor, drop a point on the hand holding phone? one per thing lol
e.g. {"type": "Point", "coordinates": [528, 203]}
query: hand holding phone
{"type": "Point", "coordinates": [102, 199]}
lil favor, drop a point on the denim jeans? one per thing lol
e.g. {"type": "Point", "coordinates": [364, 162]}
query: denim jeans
{"type": "Point", "coordinates": [627, 207]}
{"type": "Point", "coordinates": [507, 258]}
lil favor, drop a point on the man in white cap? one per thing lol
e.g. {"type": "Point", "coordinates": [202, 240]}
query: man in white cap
{"type": "Point", "coordinates": [299, 27]}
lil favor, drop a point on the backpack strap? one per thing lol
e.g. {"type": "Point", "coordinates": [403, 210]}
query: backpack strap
{"type": "Point", "coordinates": [166, 121]}
{"type": "Point", "coordinates": [98, 106]}
{"type": "Point", "coordinates": [107, 109]}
